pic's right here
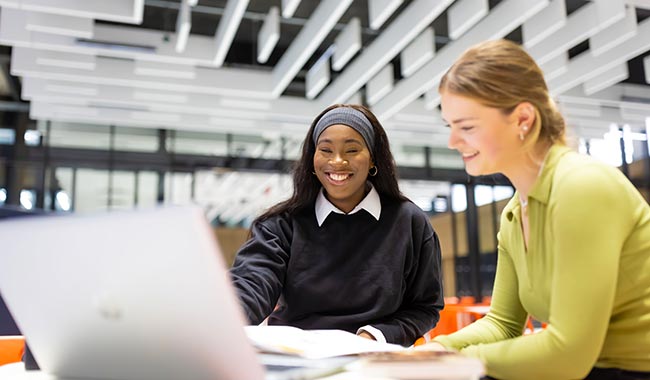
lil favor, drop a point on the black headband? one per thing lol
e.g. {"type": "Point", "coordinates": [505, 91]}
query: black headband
{"type": "Point", "coordinates": [352, 118]}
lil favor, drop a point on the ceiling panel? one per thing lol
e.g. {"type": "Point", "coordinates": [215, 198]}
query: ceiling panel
{"type": "Point", "coordinates": [133, 63]}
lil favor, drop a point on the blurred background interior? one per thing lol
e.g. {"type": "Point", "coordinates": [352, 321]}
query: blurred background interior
{"type": "Point", "coordinates": [108, 105]}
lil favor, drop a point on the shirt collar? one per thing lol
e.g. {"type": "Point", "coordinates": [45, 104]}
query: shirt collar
{"type": "Point", "coordinates": [541, 189]}
{"type": "Point", "coordinates": [371, 203]}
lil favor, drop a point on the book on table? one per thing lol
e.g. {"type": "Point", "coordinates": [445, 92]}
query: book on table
{"type": "Point", "coordinates": [337, 348]}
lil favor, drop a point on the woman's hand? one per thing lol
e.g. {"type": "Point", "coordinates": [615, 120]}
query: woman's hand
{"type": "Point", "coordinates": [364, 334]}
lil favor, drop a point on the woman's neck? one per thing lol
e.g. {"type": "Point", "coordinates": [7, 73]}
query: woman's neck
{"type": "Point", "coordinates": [524, 173]}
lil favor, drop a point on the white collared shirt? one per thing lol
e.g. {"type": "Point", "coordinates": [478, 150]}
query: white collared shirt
{"type": "Point", "coordinates": [370, 203]}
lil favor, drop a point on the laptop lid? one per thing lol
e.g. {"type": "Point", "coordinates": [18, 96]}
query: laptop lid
{"type": "Point", "coordinates": [125, 295]}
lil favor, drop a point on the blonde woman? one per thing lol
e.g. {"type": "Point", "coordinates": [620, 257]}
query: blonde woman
{"type": "Point", "coordinates": [574, 244]}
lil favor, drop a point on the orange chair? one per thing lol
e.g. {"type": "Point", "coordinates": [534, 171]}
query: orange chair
{"type": "Point", "coordinates": [530, 326]}
{"type": "Point", "coordinates": [12, 349]}
{"type": "Point", "coordinates": [454, 317]}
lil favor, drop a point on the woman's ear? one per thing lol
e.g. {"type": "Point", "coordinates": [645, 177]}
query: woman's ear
{"type": "Point", "coordinates": [525, 113]}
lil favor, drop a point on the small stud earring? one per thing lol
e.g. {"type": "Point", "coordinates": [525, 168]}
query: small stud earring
{"type": "Point", "coordinates": [524, 128]}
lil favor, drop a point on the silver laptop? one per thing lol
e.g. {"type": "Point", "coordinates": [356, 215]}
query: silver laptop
{"type": "Point", "coordinates": [125, 295]}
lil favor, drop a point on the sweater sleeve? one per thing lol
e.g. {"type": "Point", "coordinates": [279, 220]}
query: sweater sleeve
{"type": "Point", "coordinates": [423, 300]}
{"type": "Point", "coordinates": [587, 237]}
{"type": "Point", "coordinates": [259, 270]}
{"type": "Point", "coordinates": [506, 318]}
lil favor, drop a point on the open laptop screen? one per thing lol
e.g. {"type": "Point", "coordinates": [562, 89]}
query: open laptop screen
{"type": "Point", "coordinates": [125, 295]}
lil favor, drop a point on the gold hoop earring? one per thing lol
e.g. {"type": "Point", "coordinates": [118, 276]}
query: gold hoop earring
{"type": "Point", "coordinates": [371, 172]}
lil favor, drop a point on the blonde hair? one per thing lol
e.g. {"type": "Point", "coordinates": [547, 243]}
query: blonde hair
{"type": "Point", "coordinates": [500, 74]}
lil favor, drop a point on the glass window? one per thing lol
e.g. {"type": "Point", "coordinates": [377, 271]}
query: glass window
{"type": "Point", "coordinates": [64, 179]}
{"type": "Point", "coordinates": [483, 195]}
{"type": "Point", "coordinates": [147, 189]}
{"type": "Point", "coordinates": [123, 193]}
{"type": "Point", "coordinates": [7, 136]}
{"type": "Point", "coordinates": [136, 139]}
{"type": "Point", "coordinates": [458, 198]}
{"type": "Point", "coordinates": [503, 192]}
{"type": "Point", "coordinates": [187, 142]}
{"type": "Point", "coordinates": [62, 201]}
{"type": "Point", "coordinates": [91, 191]}
{"type": "Point", "coordinates": [178, 188]}
{"type": "Point", "coordinates": [32, 137]}
{"type": "Point", "coordinates": [3, 196]}
{"type": "Point", "coordinates": [27, 198]}
{"type": "Point", "coordinates": [76, 135]}
{"type": "Point", "coordinates": [608, 149]}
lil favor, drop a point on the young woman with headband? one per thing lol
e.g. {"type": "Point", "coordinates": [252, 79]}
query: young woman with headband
{"type": "Point", "coordinates": [347, 250]}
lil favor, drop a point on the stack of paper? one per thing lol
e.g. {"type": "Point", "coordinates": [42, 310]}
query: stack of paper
{"type": "Point", "coordinates": [313, 344]}
{"type": "Point", "coordinates": [375, 360]}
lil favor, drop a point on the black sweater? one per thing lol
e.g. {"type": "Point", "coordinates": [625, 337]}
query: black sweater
{"type": "Point", "coordinates": [352, 271]}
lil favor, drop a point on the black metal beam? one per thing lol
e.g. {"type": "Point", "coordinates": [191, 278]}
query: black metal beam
{"type": "Point", "coordinates": [624, 166]}
{"type": "Point", "coordinates": [471, 219]}
{"type": "Point", "coordinates": [164, 161]}
{"type": "Point", "coordinates": [12, 82]}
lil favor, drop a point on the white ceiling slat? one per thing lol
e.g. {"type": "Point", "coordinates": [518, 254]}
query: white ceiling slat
{"type": "Point", "coordinates": [609, 12]}
{"type": "Point", "coordinates": [608, 78]}
{"type": "Point", "coordinates": [269, 35]}
{"type": "Point", "coordinates": [66, 60]}
{"type": "Point", "coordinates": [150, 96]}
{"type": "Point", "coordinates": [10, 3]}
{"type": "Point", "coordinates": [64, 88]}
{"type": "Point", "coordinates": [127, 11]}
{"type": "Point", "coordinates": [646, 68]}
{"type": "Point", "coordinates": [546, 22]}
{"type": "Point", "coordinates": [571, 110]}
{"type": "Point", "coordinates": [228, 24]}
{"type": "Point", "coordinates": [503, 18]}
{"type": "Point", "coordinates": [164, 70]}
{"type": "Point", "coordinates": [644, 4]}
{"type": "Point", "coordinates": [285, 108]}
{"type": "Point", "coordinates": [635, 115]}
{"type": "Point", "coordinates": [223, 81]}
{"type": "Point", "coordinates": [431, 99]}
{"type": "Point", "coordinates": [614, 34]}
{"type": "Point", "coordinates": [586, 65]}
{"type": "Point", "coordinates": [135, 77]}
{"type": "Point", "coordinates": [380, 10]}
{"type": "Point", "coordinates": [347, 44]}
{"type": "Point", "coordinates": [464, 14]}
{"type": "Point", "coordinates": [379, 85]}
{"type": "Point", "coordinates": [415, 18]}
{"type": "Point", "coordinates": [118, 41]}
{"type": "Point", "coordinates": [59, 24]}
{"type": "Point", "coordinates": [123, 117]}
{"type": "Point", "coordinates": [183, 26]}
{"type": "Point", "coordinates": [418, 52]}
{"type": "Point", "coordinates": [12, 27]}
{"type": "Point", "coordinates": [306, 42]}
{"type": "Point", "coordinates": [417, 112]}
{"type": "Point", "coordinates": [580, 25]}
{"type": "Point", "coordinates": [620, 95]}
{"type": "Point", "coordinates": [555, 67]}
{"type": "Point", "coordinates": [317, 78]}
{"type": "Point", "coordinates": [289, 7]}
